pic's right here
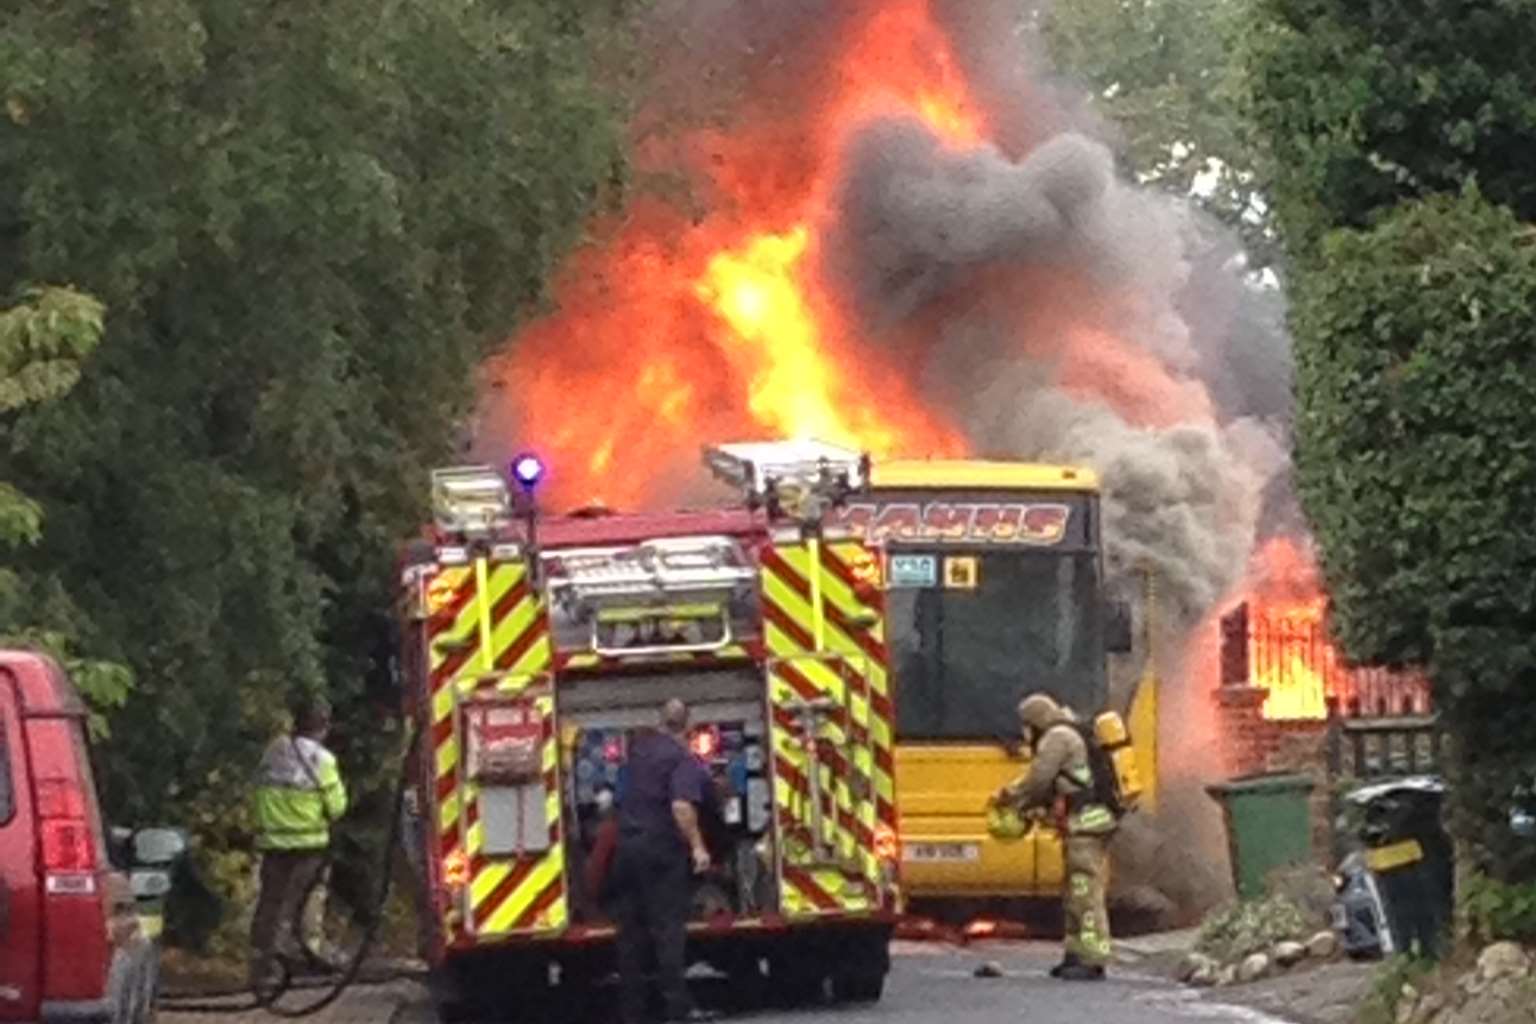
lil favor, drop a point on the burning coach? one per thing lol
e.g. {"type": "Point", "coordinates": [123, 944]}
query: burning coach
{"type": "Point", "coordinates": [994, 575]}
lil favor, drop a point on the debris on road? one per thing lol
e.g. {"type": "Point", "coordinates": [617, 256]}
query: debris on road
{"type": "Point", "coordinates": [989, 969]}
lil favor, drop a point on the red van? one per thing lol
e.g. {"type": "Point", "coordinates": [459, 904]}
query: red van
{"type": "Point", "coordinates": [72, 945]}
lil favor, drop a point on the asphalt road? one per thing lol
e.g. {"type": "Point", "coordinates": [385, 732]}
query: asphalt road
{"type": "Point", "coordinates": [927, 984]}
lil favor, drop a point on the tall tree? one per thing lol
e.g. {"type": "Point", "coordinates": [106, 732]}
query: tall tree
{"type": "Point", "coordinates": [43, 339]}
{"type": "Point", "coordinates": [1165, 75]}
{"type": "Point", "coordinates": [310, 222]}
{"type": "Point", "coordinates": [1416, 351]}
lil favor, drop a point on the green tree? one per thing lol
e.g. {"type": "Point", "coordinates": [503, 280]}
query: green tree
{"type": "Point", "coordinates": [1367, 105]}
{"type": "Point", "coordinates": [43, 340]}
{"type": "Point", "coordinates": [1412, 297]}
{"type": "Point", "coordinates": [1164, 73]}
{"type": "Point", "coordinates": [311, 222]}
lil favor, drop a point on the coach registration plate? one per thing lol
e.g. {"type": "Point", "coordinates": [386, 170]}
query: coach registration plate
{"type": "Point", "coordinates": [955, 852]}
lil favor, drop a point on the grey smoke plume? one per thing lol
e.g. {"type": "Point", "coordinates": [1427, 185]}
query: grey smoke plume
{"type": "Point", "coordinates": [948, 244]}
{"type": "Point", "coordinates": [914, 217]}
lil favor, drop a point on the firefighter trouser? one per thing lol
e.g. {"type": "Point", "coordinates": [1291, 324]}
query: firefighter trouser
{"type": "Point", "coordinates": [652, 892]}
{"type": "Point", "coordinates": [1087, 922]}
{"type": "Point", "coordinates": [286, 878]}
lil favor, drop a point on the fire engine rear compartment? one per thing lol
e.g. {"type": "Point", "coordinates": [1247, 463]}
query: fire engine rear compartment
{"type": "Point", "coordinates": [598, 717]}
{"type": "Point", "coordinates": [738, 924]}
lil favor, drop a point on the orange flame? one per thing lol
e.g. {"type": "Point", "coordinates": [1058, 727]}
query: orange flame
{"type": "Point", "coordinates": [677, 327]}
{"type": "Point", "coordinates": [1289, 651]}
{"type": "Point", "coordinates": [1292, 656]}
{"type": "Point", "coordinates": [775, 337]}
{"type": "Point", "coordinates": [671, 332]}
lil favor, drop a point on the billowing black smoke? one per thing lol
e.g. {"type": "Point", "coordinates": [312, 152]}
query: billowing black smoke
{"type": "Point", "coordinates": [995, 274]}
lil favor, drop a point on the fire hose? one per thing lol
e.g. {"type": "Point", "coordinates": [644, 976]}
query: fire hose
{"type": "Point", "coordinates": [266, 999]}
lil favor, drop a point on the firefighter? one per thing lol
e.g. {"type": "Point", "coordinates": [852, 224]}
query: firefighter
{"type": "Point", "coordinates": [1060, 780]}
{"type": "Point", "coordinates": [299, 794]}
{"type": "Point", "coordinates": [660, 846]}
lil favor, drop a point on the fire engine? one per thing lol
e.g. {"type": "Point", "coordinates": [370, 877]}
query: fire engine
{"type": "Point", "coordinates": [534, 647]}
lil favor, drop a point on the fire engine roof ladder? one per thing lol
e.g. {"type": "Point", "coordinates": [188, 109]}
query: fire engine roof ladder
{"type": "Point", "coordinates": [681, 578]}
{"type": "Point", "coordinates": [473, 504]}
{"type": "Point", "coordinates": [802, 480]}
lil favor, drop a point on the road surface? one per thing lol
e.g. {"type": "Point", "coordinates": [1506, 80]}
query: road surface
{"type": "Point", "coordinates": [928, 985]}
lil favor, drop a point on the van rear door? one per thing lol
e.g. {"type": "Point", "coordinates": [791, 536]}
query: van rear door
{"type": "Point", "coordinates": [20, 895]}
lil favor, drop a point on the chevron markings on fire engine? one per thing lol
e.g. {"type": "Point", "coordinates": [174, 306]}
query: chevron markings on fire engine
{"type": "Point", "coordinates": [493, 621]}
{"type": "Point", "coordinates": [853, 764]}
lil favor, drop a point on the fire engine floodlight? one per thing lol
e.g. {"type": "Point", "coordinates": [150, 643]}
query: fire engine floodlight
{"type": "Point", "coordinates": [527, 470]}
{"type": "Point", "coordinates": [470, 499]}
{"type": "Point", "coordinates": [797, 478]}
{"type": "Point", "coordinates": [753, 465]}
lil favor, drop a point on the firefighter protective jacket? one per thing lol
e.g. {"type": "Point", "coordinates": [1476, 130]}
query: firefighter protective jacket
{"type": "Point", "coordinates": [298, 794]}
{"type": "Point", "coordinates": [1060, 768]}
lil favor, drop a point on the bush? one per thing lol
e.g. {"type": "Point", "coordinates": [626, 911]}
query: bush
{"type": "Point", "coordinates": [1380, 1004]}
{"type": "Point", "coordinates": [1251, 926]}
{"type": "Point", "coordinates": [1501, 911]}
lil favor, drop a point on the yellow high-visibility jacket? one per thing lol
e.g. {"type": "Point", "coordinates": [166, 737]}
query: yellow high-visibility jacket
{"type": "Point", "coordinates": [298, 794]}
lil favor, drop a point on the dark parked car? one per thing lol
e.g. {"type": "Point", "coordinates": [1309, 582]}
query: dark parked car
{"type": "Point", "coordinates": [78, 940]}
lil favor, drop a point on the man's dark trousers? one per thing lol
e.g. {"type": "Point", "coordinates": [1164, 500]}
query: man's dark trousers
{"type": "Point", "coordinates": [653, 894]}
{"type": "Point", "coordinates": [286, 879]}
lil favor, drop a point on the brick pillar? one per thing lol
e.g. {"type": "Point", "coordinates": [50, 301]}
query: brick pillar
{"type": "Point", "coordinates": [1246, 736]}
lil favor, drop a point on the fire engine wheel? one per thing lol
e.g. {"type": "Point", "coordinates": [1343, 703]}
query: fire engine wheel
{"type": "Point", "coordinates": [491, 989]}
{"type": "Point", "coordinates": [794, 977]}
{"type": "Point", "coordinates": [861, 986]}
{"type": "Point", "coordinates": [862, 965]}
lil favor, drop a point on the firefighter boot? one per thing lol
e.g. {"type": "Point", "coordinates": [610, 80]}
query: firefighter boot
{"type": "Point", "coordinates": [1081, 972]}
{"type": "Point", "coordinates": [1068, 960]}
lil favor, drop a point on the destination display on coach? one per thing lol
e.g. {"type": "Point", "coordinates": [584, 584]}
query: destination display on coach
{"type": "Point", "coordinates": [1052, 521]}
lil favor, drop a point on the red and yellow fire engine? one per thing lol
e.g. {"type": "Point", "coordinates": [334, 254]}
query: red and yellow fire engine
{"type": "Point", "coordinates": [534, 647]}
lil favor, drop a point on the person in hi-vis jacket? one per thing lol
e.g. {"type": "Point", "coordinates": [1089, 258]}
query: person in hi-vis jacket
{"type": "Point", "coordinates": [298, 796]}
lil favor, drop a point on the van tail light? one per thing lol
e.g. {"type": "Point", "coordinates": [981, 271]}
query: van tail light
{"type": "Point", "coordinates": [68, 848]}
{"type": "Point", "coordinates": [69, 856]}
{"type": "Point", "coordinates": [78, 919]}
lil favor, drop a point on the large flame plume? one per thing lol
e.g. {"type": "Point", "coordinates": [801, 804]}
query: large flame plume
{"type": "Point", "coordinates": [886, 237]}
{"type": "Point", "coordinates": [672, 331]}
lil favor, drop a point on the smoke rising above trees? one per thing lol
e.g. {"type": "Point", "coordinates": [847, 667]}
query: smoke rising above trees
{"type": "Point", "coordinates": [970, 234]}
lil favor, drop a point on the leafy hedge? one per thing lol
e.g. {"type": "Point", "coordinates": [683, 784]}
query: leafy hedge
{"type": "Point", "coordinates": [1399, 140]}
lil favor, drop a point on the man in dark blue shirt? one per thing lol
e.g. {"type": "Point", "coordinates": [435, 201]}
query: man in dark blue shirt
{"type": "Point", "coordinates": [659, 846]}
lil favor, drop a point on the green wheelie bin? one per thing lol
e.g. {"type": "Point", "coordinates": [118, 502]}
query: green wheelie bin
{"type": "Point", "coordinates": [1269, 825]}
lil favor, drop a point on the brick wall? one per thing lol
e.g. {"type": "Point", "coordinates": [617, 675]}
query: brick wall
{"type": "Point", "coordinates": [1254, 745]}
